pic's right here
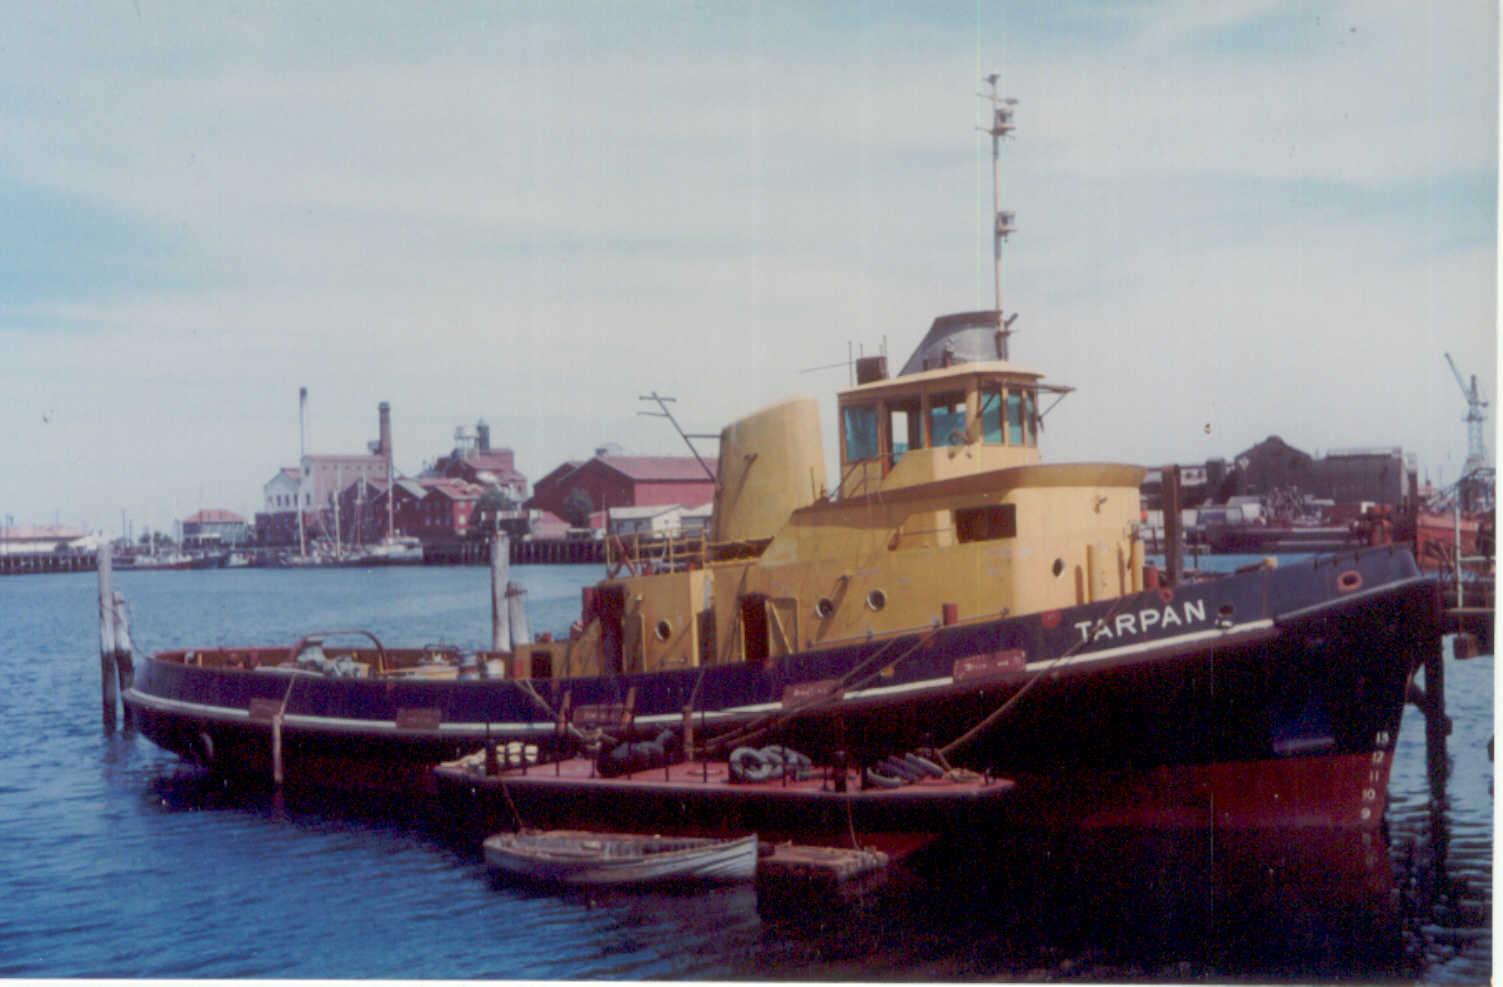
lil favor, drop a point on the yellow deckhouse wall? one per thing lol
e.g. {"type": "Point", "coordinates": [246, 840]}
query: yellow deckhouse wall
{"type": "Point", "coordinates": [887, 562]}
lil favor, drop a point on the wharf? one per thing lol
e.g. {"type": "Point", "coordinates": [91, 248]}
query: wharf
{"type": "Point", "coordinates": [539, 551]}
{"type": "Point", "coordinates": [68, 560]}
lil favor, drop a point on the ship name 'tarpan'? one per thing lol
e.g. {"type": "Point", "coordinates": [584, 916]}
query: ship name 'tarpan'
{"type": "Point", "coordinates": [1137, 624]}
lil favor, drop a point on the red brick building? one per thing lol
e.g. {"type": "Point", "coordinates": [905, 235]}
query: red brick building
{"type": "Point", "coordinates": [446, 507]}
{"type": "Point", "coordinates": [627, 481]}
{"type": "Point", "coordinates": [474, 461]}
{"type": "Point", "coordinates": [407, 508]}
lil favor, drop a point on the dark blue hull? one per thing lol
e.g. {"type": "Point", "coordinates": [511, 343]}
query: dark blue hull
{"type": "Point", "coordinates": [1289, 673]}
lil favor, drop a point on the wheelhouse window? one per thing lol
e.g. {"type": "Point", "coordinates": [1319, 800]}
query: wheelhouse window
{"type": "Point", "coordinates": [1030, 417]}
{"type": "Point", "coordinates": [905, 426]}
{"type": "Point", "coordinates": [947, 425]}
{"type": "Point", "coordinates": [991, 414]}
{"type": "Point", "coordinates": [1014, 418]}
{"type": "Point", "coordinates": [860, 432]}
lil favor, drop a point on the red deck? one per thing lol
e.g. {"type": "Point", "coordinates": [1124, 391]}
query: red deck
{"type": "Point", "coordinates": [694, 798]}
{"type": "Point", "coordinates": [701, 779]}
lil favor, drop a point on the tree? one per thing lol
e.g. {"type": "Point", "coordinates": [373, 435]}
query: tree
{"type": "Point", "coordinates": [489, 508]}
{"type": "Point", "coordinates": [577, 508]}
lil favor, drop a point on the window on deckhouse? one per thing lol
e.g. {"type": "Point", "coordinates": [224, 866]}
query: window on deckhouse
{"type": "Point", "coordinates": [860, 432]}
{"type": "Point", "coordinates": [904, 426]}
{"type": "Point", "coordinates": [947, 419]}
{"type": "Point", "coordinates": [1014, 418]}
{"type": "Point", "coordinates": [991, 414]}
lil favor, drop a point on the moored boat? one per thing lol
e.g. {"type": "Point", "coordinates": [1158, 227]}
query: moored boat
{"type": "Point", "coordinates": [950, 590]}
{"type": "Point", "coordinates": [592, 859]}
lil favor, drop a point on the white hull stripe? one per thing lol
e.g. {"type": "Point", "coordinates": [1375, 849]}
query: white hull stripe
{"type": "Point", "coordinates": [331, 724]}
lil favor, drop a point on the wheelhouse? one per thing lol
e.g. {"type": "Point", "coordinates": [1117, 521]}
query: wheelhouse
{"type": "Point", "coordinates": [940, 423]}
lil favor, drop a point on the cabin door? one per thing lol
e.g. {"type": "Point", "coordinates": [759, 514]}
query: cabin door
{"type": "Point", "coordinates": [754, 627]}
{"type": "Point", "coordinates": [610, 607]}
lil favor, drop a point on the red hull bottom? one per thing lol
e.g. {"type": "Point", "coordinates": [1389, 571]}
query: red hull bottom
{"type": "Point", "coordinates": [1336, 792]}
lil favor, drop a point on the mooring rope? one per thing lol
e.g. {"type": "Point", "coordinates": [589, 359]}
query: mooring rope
{"type": "Point", "coordinates": [855, 678]}
{"type": "Point", "coordinates": [988, 721]}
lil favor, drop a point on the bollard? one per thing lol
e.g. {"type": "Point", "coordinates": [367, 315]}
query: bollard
{"type": "Point", "coordinates": [108, 685]}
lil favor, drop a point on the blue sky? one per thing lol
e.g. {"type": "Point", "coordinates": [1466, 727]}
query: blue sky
{"type": "Point", "coordinates": [1268, 218]}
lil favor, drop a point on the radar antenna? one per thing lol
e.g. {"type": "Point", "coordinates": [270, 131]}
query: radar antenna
{"type": "Point", "coordinates": [662, 401]}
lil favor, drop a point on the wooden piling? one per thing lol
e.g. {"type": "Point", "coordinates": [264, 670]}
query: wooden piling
{"type": "Point", "coordinates": [516, 615]}
{"type": "Point", "coordinates": [125, 672]}
{"type": "Point", "coordinates": [276, 748]}
{"type": "Point", "coordinates": [1437, 724]}
{"type": "Point", "coordinates": [500, 617]}
{"type": "Point", "coordinates": [108, 688]}
{"type": "Point", "coordinates": [1174, 562]}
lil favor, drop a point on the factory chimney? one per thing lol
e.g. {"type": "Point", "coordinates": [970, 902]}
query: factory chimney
{"type": "Point", "coordinates": [383, 446]}
{"type": "Point", "coordinates": [482, 437]}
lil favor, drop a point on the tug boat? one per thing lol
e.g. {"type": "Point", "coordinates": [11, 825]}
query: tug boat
{"type": "Point", "coordinates": [951, 591]}
{"type": "Point", "coordinates": [955, 593]}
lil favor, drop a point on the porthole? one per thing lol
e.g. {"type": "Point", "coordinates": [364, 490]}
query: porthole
{"type": "Point", "coordinates": [876, 600]}
{"type": "Point", "coordinates": [1059, 566]}
{"type": "Point", "coordinates": [824, 608]}
{"type": "Point", "coordinates": [663, 630]}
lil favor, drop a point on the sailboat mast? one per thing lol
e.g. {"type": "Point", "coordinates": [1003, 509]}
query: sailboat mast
{"type": "Point", "coordinates": [338, 539]}
{"type": "Point", "coordinates": [302, 454]}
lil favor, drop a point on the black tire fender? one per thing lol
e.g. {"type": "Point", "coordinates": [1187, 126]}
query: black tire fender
{"type": "Point", "coordinates": [873, 777]}
{"type": "Point", "coordinates": [748, 764]}
{"type": "Point", "coordinates": [898, 768]}
{"type": "Point", "coordinates": [925, 765]}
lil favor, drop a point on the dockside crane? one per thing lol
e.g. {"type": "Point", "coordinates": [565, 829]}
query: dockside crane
{"type": "Point", "coordinates": [1474, 488]}
{"type": "Point", "coordinates": [1476, 451]}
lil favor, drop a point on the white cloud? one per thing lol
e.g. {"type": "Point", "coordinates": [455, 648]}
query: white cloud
{"type": "Point", "coordinates": [537, 214]}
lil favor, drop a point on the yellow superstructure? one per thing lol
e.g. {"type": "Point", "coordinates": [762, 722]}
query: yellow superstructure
{"type": "Point", "coordinates": [942, 511]}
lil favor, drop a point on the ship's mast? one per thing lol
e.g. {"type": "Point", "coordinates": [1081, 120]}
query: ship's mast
{"type": "Point", "coordinates": [302, 453]}
{"type": "Point", "coordinates": [1002, 221]}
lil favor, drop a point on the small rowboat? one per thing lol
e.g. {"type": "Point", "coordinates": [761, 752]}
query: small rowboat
{"type": "Point", "coordinates": [576, 857]}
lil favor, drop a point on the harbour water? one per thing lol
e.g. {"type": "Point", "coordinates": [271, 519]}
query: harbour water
{"type": "Point", "coordinates": [117, 860]}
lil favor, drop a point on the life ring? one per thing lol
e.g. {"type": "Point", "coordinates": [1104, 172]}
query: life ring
{"type": "Point", "coordinates": [1348, 581]}
{"type": "Point", "coordinates": [748, 764]}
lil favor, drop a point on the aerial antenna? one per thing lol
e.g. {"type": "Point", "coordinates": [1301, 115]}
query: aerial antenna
{"type": "Point", "coordinates": [1002, 220]}
{"type": "Point", "coordinates": [1476, 450]}
{"type": "Point", "coordinates": [663, 412]}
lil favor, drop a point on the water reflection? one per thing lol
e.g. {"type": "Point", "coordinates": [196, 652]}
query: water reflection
{"type": "Point", "coordinates": [1411, 901]}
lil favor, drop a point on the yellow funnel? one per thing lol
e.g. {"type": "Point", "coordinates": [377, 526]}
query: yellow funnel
{"type": "Point", "coordinates": [771, 464]}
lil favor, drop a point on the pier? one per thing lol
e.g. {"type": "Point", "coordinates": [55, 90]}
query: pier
{"type": "Point", "coordinates": [541, 551]}
{"type": "Point", "coordinates": [68, 560]}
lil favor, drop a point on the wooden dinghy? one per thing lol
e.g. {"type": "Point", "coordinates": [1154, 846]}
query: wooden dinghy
{"type": "Point", "coordinates": [577, 857]}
